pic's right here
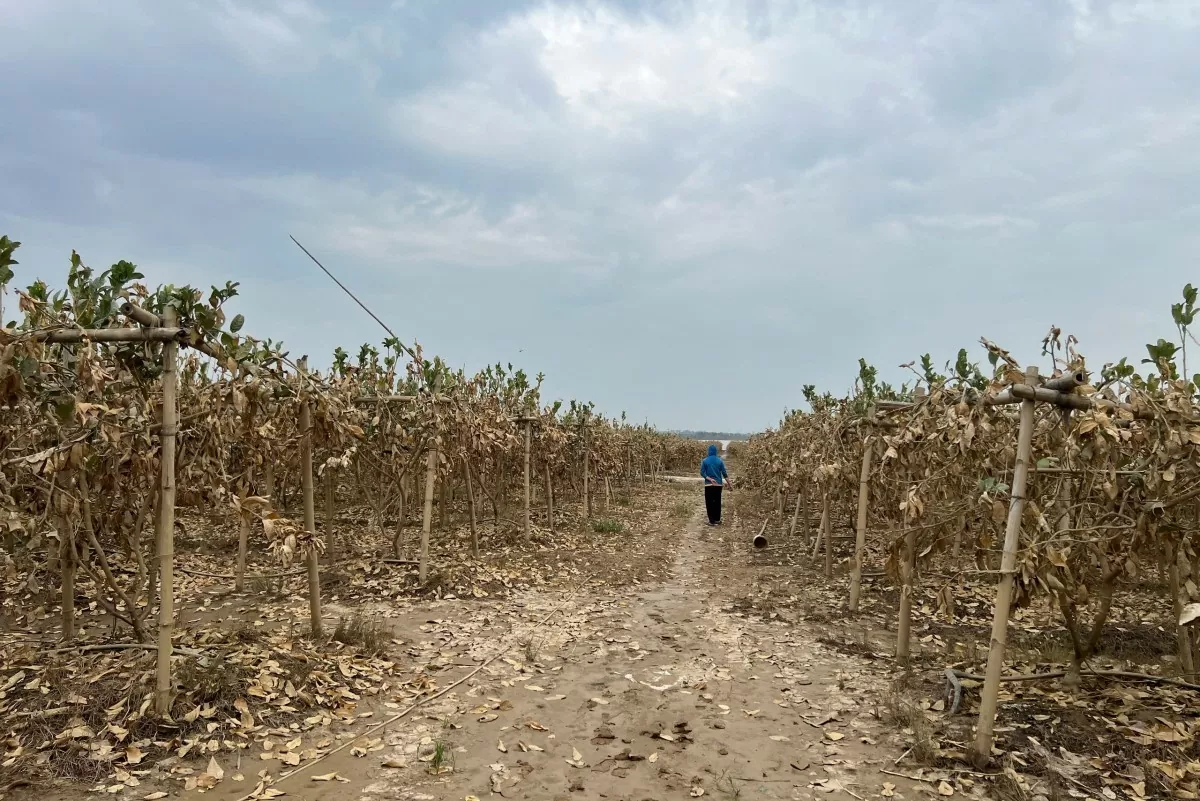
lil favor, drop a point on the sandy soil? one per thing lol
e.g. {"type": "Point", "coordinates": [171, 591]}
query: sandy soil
{"type": "Point", "coordinates": [662, 694]}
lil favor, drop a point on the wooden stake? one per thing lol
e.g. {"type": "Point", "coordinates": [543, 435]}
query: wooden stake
{"type": "Point", "coordinates": [68, 567]}
{"type": "Point", "coordinates": [166, 520]}
{"type": "Point", "coordinates": [471, 508]}
{"type": "Point", "coordinates": [330, 537]}
{"type": "Point", "coordinates": [860, 528]}
{"type": "Point", "coordinates": [1012, 540]}
{"type": "Point", "coordinates": [310, 510]}
{"type": "Point", "coordinates": [828, 539]}
{"type": "Point", "coordinates": [528, 435]}
{"type": "Point", "coordinates": [795, 515]}
{"type": "Point", "coordinates": [269, 480]}
{"type": "Point", "coordinates": [907, 567]}
{"type": "Point", "coordinates": [427, 516]}
{"type": "Point", "coordinates": [808, 532]}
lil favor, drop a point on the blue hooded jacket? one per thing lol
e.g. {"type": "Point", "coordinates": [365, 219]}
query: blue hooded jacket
{"type": "Point", "coordinates": [712, 469]}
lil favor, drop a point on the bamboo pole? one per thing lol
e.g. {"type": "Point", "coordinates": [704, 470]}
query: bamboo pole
{"type": "Point", "coordinates": [860, 529]}
{"type": "Point", "coordinates": [239, 580]}
{"type": "Point", "coordinates": [471, 508]}
{"type": "Point", "coordinates": [69, 335]}
{"type": "Point", "coordinates": [330, 512]}
{"type": "Point", "coordinates": [68, 565]}
{"type": "Point", "coordinates": [795, 515]}
{"type": "Point", "coordinates": [1012, 537]}
{"type": "Point", "coordinates": [166, 520]}
{"type": "Point", "coordinates": [427, 516]}
{"type": "Point", "coordinates": [528, 436]}
{"type": "Point", "coordinates": [820, 536]}
{"type": "Point", "coordinates": [310, 510]}
{"type": "Point", "coordinates": [549, 501]}
{"type": "Point", "coordinates": [828, 539]}
{"type": "Point", "coordinates": [907, 568]}
{"type": "Point", "coordinates": [807, 512]}
{"type": "Point", "coordinates": [1183, 640]}
{"type": "Point", "coordinates": [587, 497]}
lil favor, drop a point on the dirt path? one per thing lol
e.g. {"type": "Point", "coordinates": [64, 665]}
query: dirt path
{"type": "Point", "coordinates": [666, 694]}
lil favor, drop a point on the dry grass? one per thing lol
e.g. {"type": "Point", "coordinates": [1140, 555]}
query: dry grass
{"type": "Point", "coordinates": [365, 634]}
{"type": "Point", "coordinates": [902, 713]}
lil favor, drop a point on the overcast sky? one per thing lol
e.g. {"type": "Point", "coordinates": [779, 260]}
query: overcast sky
{"type": "Point", "coordinates": [684, 210]}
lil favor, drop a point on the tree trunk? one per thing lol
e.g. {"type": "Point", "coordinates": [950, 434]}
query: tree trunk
{"type": "Point", "coordinates": [330, 511]}
{"type": "Point", "coordinates": [549, 502]}
{"type": "Point", "coordinates": [528, 434]}
{"type": "Point", "coordinates": [828, 517]}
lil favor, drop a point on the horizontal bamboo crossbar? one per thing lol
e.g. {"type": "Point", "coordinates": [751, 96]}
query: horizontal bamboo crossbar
{"type": "Point", "coordinates": [69, 335]}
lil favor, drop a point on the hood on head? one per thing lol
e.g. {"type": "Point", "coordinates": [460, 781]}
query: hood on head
{"type": "Point", "coordinates": [712, 450]}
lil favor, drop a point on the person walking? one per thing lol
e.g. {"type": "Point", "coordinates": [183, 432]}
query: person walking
{"type": "Point", "coordinates": [712, 470]}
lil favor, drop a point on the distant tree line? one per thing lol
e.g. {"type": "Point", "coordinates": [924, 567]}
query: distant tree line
{"type": "Point", "coordinates": [711, 435]}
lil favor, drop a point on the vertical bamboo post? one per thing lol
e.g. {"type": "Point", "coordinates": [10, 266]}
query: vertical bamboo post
{"type": "Point", "coordinates": [1172, 554]}
{"type": "Point", "coordinates": [806, 510]}
{"type": "Point", "coordinates": [587, 497]}
{"type": "Point", "coordinates": [820, 536]}
{"type": "Point", "coordinates": [330, 536]}
{"type": "Point", "coordinates": [549, 501]}
{"type": "Point", "coordinates": [828, 518]}
{"type": "Point", "coordinates": [427, 515]}
{"type": "Point", "coordinates": [68, 564]}
{"type": "Point", "coordinates": [239, 578]}
{"type": "Point", "coordinates": [1008, 564]}
{"type": "Point", "coordinates": [907, 565]}
{"type": "Point", "coordinates": [310, 509]}
{"type": "Point", "coordinates": [795, 515]}
{"type": "Point", "coordinates": [860, 528]}
{"type": "Point", "coordinates": [471, 507]}
{"type": "Point", "coordinates": [166, 519]}
{"type": "Point", "coordinates": [528, 437]}
{"type": "Point", "coordinates": [269, 479]}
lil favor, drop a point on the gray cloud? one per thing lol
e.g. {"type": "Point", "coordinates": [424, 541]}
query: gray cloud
{"type": "Point", "coordinates": [684, 209]}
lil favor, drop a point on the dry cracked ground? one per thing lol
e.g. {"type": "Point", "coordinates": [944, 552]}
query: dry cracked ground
{"type": "Point", "coordinates": [659, 692]}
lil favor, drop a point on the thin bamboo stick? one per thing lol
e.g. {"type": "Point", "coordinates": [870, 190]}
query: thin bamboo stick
{"type": "Point", "coordinates": [330, 514]}
{"type": "Point", "coordinates": [1012, 537]}
{"type": "Point", "coordinates": [549, 502]}
{"type": "Point", "coordinates": [471, 508]}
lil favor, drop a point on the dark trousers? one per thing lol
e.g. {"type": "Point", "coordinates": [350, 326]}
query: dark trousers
{"type": "Point", "coordinates": [712, 503]}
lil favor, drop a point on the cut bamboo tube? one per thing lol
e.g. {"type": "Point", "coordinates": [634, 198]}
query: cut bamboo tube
{"type": "Point", "coordinates": [1012, 539]}
{"type": "Point", "coordinates": [166, 520]}
{"type": "Point", "coordinates": [860, 528]}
